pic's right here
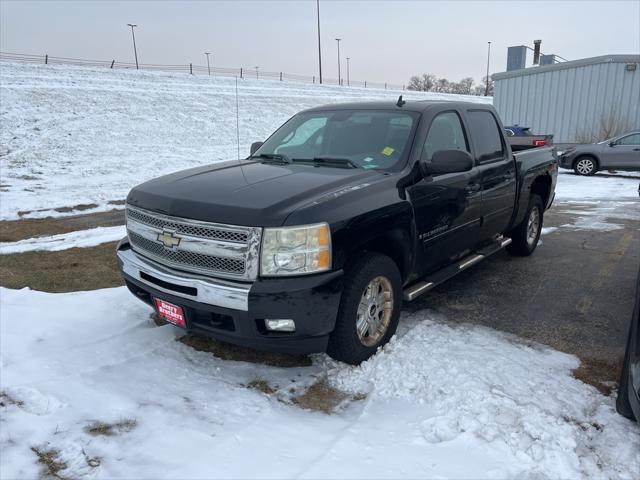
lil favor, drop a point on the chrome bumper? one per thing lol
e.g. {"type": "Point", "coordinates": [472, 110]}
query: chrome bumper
{"type": "Point", "coordinates": [220, 293]}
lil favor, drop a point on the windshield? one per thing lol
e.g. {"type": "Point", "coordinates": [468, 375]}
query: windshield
{"type": "Point", "coordinates": [368, 139]}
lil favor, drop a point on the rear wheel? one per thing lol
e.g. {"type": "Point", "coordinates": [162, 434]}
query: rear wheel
{"type": "Point", "coordinates": [585, 166]}
{"type": "Point", "coordinates": [525, 236]}
{"type": "Point", "coordinates": [369, 310]}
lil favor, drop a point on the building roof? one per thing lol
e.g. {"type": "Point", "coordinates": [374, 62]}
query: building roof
{"type": "Point", "coordinates": [583, 62]}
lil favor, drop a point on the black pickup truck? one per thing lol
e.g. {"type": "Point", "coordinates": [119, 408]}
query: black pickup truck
{"type": "Point", "coordinates": [312, 242]}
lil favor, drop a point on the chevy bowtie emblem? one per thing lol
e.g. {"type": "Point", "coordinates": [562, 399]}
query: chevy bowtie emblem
{"type": "Point", "coordinates": [168, 239]}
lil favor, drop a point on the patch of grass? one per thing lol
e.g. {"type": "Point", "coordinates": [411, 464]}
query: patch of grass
{"type": "Point", "coordinates": [322, 397]}
{"type": "Point", "coordinates": [14, 230]}
{"type": "Point", "coordinates": [64, 271]}
{"type": "Point", "coordinates": [49, 459]}
{"type": "Point", "coordinates": [105, 429]}
{"type": "Point", "coordinates": [6, 400]}
{"type": "Point", "coordinates": [227, 351]}
{"type": "Point", "coordinates": [600, 374]}
{"type": "Point", "coordinates": [262, 386]}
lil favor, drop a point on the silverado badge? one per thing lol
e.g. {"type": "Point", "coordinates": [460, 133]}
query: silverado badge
{"type": "Point", "coordinates": [168, 239]}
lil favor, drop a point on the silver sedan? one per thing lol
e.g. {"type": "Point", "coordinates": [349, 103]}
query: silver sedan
{"type": "Point", "coordinates": [618, 153]}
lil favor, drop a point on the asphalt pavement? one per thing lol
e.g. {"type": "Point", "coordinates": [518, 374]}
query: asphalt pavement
{"type": "Point", "coordinates": [575, 293]}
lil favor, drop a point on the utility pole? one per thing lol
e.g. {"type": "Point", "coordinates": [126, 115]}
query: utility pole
{"type": "Point", "coordinates": [319, 52]}
{"type": "Point", "coordinates": [486, 89]}
{"type": "Point", "coordinates": [208, 66]}
{"type": "Point", "coordinates": [135, 52]}
{"type": "Point", "coordinates": [339, 79]}
{"type": "Point", "coordinates": [256, 72]}
{"type": "Point", "coordinates": [348, 81]}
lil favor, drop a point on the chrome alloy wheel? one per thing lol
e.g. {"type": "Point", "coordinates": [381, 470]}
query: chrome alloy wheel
{"type": "Point", "coordinates": [533, 226]}
{"type": "Point", "coordinates": [374, 311]}
{"type": "Point", "coordinates": [585, 166]}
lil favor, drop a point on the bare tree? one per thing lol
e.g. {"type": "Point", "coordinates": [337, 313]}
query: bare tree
{"type": "Point", "coordinates": [610, 124]}
{"type": "Point", "coordinates": [424, 83]}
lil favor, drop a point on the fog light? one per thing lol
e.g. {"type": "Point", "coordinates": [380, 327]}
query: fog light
{"type": "Point", "coordinates": [280, 325]}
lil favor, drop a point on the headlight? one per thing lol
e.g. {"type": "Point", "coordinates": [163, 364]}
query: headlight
{"type": "Point", "coordinates": [295, 250]}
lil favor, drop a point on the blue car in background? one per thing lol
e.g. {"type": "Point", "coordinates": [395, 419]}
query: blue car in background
{"type": "Point", "coordinates": [521, 138]}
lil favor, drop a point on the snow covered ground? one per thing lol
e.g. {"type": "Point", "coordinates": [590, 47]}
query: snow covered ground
{"type": "Point", "coordinates": [75, 135]}
{"type": "Point", "coordinates": [82, 238]}
{"type": "Point", "coordinates": [88, 379]}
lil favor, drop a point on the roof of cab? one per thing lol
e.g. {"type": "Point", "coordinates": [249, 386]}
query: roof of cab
{"type": "Point", "coordinates": [409, 105]}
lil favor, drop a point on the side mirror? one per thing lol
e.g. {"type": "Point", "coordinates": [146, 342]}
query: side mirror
{"type": "Point", "coordinates": [612, 144]}
{"type": "Point", "coordinates": [255, 146]}
{"type": "Point", "coordinates": [447, 161]}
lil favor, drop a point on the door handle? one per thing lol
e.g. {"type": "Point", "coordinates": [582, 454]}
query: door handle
{"type": "Point", "coordinates": [636, 149]}
{"type": "Point", "coordinates": [472, 187]}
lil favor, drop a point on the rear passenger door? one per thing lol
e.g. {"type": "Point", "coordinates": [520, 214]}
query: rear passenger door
{"type": "Point", "coordinates": [446, 206]}
{"type": "Point", "coordinates": [496, 169]}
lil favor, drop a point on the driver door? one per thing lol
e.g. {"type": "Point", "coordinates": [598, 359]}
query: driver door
{"type": "Point", "coordinates": [446, 206]}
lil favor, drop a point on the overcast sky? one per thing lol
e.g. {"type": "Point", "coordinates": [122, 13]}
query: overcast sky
{"type": "Point", "coordinates": [386, 40]}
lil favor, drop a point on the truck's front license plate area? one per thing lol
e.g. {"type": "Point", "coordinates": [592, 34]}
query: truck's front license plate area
{"type": "Point", "coordinates": [170, 312]}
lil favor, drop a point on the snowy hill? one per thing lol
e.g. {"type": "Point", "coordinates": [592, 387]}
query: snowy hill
{"type": "Point", "coordinates": [75, 135]}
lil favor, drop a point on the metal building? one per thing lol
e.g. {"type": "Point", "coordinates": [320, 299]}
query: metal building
{"type": "Point", "coordinates": [571, 100]}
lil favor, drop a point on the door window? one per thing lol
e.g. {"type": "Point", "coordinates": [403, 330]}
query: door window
{"type": "Point", "coordinates": [486, 135]}
{"type": "Point", "coordinates": [445, 133]}
{"type": "Point", "coordinates": [630, 140]}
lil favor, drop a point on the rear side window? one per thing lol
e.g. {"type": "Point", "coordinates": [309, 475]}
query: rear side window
{"type": "Point", "coordinates": [445, 133]}
{"type": "Point", "coordinates": [486, 135]}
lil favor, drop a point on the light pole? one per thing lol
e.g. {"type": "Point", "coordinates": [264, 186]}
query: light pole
{"type": "Point", "coordinates": [135, 52]}
{"type": "Point", "coordinates": [348, 81]}
{"type": "Point", "coordinates": [319, 53]}
{"type": "Point", "coordinates": [256, 72]}
{"type": "Point", "coordinates": [208, 66]}
{"type": "Point", "coordinates": [338, 40]}
{"type": "Point", "coordinates": [486, 89]}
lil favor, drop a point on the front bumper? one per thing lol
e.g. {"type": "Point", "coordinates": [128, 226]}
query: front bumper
{"type": "Point", "coordinates": [566, 161]}
{"type": "Point", "coordinates": [235, 312]}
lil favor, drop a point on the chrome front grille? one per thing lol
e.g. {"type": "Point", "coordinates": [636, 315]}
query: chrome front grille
{"type": "Point", "coordinates": [217, 250]}
{"type": "Point", "coordinates": [191, 229]}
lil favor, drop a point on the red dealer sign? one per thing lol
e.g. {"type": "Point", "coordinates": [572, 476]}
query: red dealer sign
{"type": "Point", "coordinates": [170, 312]}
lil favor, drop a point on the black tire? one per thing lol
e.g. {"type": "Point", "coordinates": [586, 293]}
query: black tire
{"type": "Point", "coordinates": [622, 402]}
{"type": "Point", "coordinates": [523, 244]}
{"type": "Point", "coordinates": [345, 344]}
{"type": "Point", "coordinates": [585, 165]}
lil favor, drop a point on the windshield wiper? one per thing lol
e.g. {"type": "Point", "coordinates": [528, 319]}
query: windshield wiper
{"type": "Point", "coordinates": [328, 162]}
{"type": "Point", "coordinates": [278, 157]}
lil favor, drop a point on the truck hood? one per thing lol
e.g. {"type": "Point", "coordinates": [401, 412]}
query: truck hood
{"type": "Point", "coordinates": [243, 193]}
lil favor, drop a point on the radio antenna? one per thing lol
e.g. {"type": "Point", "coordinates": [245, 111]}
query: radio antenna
{"type": "Point", "coordinates": [237, 120]}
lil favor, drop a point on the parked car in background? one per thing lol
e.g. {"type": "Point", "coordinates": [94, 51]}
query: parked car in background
{"type": "Point", "coordinates": [618, 153]}
{"type": "Point", "coordinates": [521, 138]}
{"type": "Point", "coordinates": [628, 401]}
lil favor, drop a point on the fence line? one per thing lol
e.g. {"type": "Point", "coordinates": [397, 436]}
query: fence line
{"type": "Point", "coordinates": [191, 68]}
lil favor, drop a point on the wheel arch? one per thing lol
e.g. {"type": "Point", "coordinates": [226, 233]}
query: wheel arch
{"type": "Point", "coordinates": [541, 186]}
{"type": "Point", "coordinates": [395, 244]}
{"type": "Point", "coordinates": [583, 155]}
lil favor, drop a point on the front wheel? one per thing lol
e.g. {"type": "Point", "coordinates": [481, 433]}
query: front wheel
{"type": "Point", "coordinates": [526, 235]}
{"type": "Point", "coordinates": [585, 166]}
{"type": "Point", "coordinates": [369, 310]}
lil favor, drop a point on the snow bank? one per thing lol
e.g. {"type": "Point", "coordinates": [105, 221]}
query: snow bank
{"type": "Point", "coordinates": [63, 241]}
{"type": "Point", "coordinates": [75, 135]}
{"type": "Point", "coordinates": [572, 187]}
{"type": "Point", "coordinates": [443, 401]}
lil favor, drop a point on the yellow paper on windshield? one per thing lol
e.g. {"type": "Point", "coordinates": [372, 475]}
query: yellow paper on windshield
{"type": "Point", "coordinates": [387, 151]}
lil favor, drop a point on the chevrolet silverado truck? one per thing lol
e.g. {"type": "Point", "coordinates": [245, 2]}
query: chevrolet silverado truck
{"type": "Point", "coordinates": [312, 243]}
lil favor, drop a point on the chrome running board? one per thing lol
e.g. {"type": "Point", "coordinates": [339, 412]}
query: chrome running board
{"type": "Point", "coordinates": [415, 290]}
